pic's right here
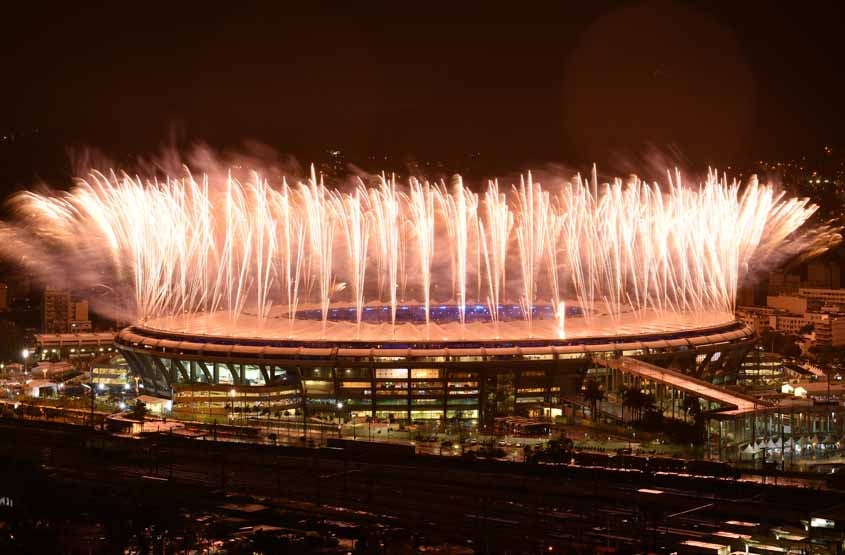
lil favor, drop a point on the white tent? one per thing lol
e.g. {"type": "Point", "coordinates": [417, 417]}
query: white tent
{"type": "Point", "coordinates": [156, 405]}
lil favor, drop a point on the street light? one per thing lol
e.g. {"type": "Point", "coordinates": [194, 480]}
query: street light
{"type": "Point", "coordinates": [232, 394]}
{"type": "Point", "coordinates": [339, 417]}
{"type": "Point", "coordinates": [25, 355]}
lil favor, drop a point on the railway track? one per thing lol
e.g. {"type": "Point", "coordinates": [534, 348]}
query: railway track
{"type": "Point", "coordinates": [511, 506]}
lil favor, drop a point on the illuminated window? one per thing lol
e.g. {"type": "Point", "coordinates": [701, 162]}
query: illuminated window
{"type": "Point", "coordinates": [394, 373]}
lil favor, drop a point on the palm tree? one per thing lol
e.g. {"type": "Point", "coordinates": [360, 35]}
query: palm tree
{"type": "Point", "coordinates": [691, 406]}
{"type": "Point", "coordinates": [649, 402]}
{"type": "Point", "coordinates": [593, 394]}
{"type": "Point", "coordinates": [637, 401]}
{"type": "Point", "coordinates": [629, 399]}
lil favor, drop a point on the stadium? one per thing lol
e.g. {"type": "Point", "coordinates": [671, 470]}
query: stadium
{"type": "Point", "coordinates": [476, 380]}
{"type": "Point", "coordinates": [425, 302]}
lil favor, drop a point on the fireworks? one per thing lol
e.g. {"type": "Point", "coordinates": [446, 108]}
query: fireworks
{"type": "Point", "coordinates": [230, 248]}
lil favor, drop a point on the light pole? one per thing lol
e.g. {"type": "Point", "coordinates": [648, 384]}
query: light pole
{"type": "Point", "coordinates": [93, 399]}
{"type": "Point", "coordinates": [25, 355]}
{"type": "Point", "coordinates": [232, 395]}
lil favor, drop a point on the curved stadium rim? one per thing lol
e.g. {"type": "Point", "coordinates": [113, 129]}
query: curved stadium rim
{"type": "Point", "coordinates": [140, 337]}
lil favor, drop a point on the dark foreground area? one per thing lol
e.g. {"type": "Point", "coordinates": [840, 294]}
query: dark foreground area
{"type": "Point", "coordinates": [66, 489]}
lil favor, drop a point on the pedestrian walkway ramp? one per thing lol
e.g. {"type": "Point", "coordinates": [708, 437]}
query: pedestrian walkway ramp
{"type": "Point", "coordinates": [732, 402]}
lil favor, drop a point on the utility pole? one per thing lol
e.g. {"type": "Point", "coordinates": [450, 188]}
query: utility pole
{"type": "Point", "coordinates": [339, 418]}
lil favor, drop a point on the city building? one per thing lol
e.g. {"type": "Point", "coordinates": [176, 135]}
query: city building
{"type": "Point", "coordinates": [79, 321]}
{"type": "Point", "coordinates": [40, 388]}
{"type": "Point", "coordinates": [793, 304]}
{"type": "Point", "coordinates": [829, 328]}
{"type": "Point", "coordinates": [783, 283]}
{"type": "Point", "coordinates": [62, 313]}
{"type": "Point", "coordinates": [111, 374]}
{"type": "Point", "coordinates": [766, 369]}
{"type": "Point", "coordinates": [54, 371]}
{"type": "Point", "coordinates": [827, 298]}
{"type": "Point", "coordinates": [72, 347]}
{"type": "Point", "coordinates": [823, 274]}
{"type": "Point", "coordinates": [55, 308]}
{"type": "Point", "coordinates": [790, 324]}
{"type": "Point", "coordinates": [756, 317]}
{"type": "Point", "coordinates": [808, 311]}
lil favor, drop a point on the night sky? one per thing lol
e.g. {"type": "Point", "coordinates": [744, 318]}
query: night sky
{"type": "Point", "coordinates": [715, 83]}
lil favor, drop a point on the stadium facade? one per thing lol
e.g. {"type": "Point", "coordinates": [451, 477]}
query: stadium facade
{"type": "Point", "coordinates": [411, 381]}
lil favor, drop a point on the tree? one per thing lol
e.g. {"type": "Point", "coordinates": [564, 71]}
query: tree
{"type": "Point", "coordinates": [806, 329]}
{"type": "Point", "coordinates": [637, 402]}
{"type": "Point", "coordinates": [632, 398]}
{"type": "Point", "coordinates": [139, 411]}
{"type": "Point", "coordinates": [648, 403]}
{"type": "Point", "coordinates": [826, 355]}
{"type": "Point", "coordinates": [691, 406]}
{"type": "Point", "coordinates": [593, 394]}
{"type": "Point", "coordinates": [625, 396]}
{"type": "Point", "coordinates": [780, 343]}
